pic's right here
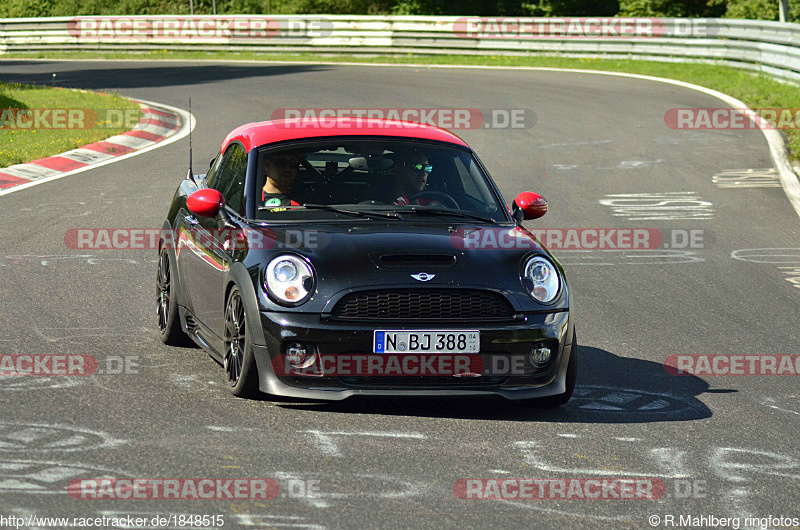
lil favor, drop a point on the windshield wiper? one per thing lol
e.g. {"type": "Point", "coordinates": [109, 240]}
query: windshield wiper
{"type": "Point", "coordinates": [357, 213]}
{"type": "Point", "coordinates": [455, 213]}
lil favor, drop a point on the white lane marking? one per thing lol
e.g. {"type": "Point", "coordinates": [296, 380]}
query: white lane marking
{"type": "Point", "coordinates": [633, 164]}
{"type": "Point", "coordinates": [781, 255]}
{"type": "Point", "coordinates": [570, 144]}
{"type": "Point", "coordinates": [658, 206]}
{"type": "Point", "coordinates": [671, 461]}
{"type": "Point", "coordinates": [42, 477]}
{"type": "Point", "coordinates": [748, 178]}
{"type": "Point", "coordinates": [564, 166]}
{"type": "Point", "coordinates": [187, 381]}
{"type": "Point", "coordinates": [16, 383]}
{"type": "Point", "coordinates": [538, 507]}
{"type": "Point", "coordinates": [773, 256]}
{"type": "Point", "coordinates": [266, 521]}
{"type": "Point", "coordinates": [773, 404]}
{"type": "Point", "coordinates": [326, 444]}
{"type": "Point", "coordinates": [793, 274]}
{"type": "Point", "coordinates": [384, 434]}
{"type": "Point", "coordinates": [313, 501]}
{"type": "Point", "coordinates": [52, 437]}
{"type": "Point", "coordinates": [731, 463]}
{"type": "Point", "coordinates": [188, 124]}
{"type": "Point", "coordinates": [627, 257]}
{"type": "Point", "coordinates": [324, 440]}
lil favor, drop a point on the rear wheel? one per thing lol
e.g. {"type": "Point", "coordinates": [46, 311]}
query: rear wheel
{"type": "Point", "coordinates": [169, 323]}
{"type": "Point", "coordinates": [239, 361]}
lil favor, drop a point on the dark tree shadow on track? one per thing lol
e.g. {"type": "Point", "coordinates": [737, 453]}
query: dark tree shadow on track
{"type": "Point", "coordinates": [155, 74]}
{"type": "Point", "coordinates": [610, 389]}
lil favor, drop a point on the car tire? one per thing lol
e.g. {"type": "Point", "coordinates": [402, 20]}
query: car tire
{"type": "Point", "coordinates": [572, 376]}
{"type": "Point", "coordinates": [239, 360]}
{"type": "Point", "coordinates": [169, 322]}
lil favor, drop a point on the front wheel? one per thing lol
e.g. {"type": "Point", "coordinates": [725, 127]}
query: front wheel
{"type": "Point", "coordinates": [239, 361]}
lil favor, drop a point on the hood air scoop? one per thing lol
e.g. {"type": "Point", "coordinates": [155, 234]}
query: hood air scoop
{"type": "Point", "coordinates": [414, 261]}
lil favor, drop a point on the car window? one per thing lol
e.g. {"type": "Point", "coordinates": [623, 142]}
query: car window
{"type": "Point", "coordinates": [384, 174]}
{"type": "Point", "coordinates": [228, 176]}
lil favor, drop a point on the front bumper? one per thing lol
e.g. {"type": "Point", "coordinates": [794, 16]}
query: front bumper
{"type": "Point", "coordinates": [510, 339]}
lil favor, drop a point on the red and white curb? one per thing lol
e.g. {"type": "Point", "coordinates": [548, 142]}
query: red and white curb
{"type": "Point", "coordinates": [160, 125]}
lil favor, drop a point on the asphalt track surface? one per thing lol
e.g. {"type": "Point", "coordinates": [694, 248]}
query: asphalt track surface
{"type": "Point", "coordinates": [394, 463]}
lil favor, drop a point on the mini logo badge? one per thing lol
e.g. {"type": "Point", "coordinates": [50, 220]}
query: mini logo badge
{"type": "Point", "coordinates": [423, 276]}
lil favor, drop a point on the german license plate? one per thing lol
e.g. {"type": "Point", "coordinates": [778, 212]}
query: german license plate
{"type": "Point", "coordinates": [426, 341]}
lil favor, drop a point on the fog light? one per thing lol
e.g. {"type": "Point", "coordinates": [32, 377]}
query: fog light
{"type": "Point", "coordinates": [296, 354]}
{"type": "Point", "coordinates": [539, 355]}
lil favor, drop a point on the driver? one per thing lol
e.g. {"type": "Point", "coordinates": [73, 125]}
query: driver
{"type": "Point", "coordinates": [411, 178]}
{"type": "Point", "coordinates": [281, 171]}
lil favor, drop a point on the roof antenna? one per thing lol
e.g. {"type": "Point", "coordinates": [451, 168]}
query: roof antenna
{"type": "Point", "coordinates": [190, 175]}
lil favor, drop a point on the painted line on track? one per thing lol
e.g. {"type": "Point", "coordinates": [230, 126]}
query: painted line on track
{"type": "Point", "coordinates": [152, 131]}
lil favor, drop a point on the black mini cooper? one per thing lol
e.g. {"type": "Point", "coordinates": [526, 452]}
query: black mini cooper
{"type": "Point", "coordinates": [361, 257]}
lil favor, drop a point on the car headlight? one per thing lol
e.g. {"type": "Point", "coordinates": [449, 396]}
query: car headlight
{"type": "Point", "coordinates": [542, 278]}
{"type": "Point", "coordinates": [289, 279]}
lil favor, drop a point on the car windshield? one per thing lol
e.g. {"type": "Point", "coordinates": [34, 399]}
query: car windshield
{"type": "Point", "coordinates": [381, 178]}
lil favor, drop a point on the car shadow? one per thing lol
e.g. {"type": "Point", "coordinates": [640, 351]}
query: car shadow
{"type": "Point", "coordinates": [610, 389]}
{"type": "Point", "coordinates": [114, 76]}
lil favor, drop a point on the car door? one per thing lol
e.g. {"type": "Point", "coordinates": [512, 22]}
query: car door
{"type": "Point", "coordinates": [208, 259]}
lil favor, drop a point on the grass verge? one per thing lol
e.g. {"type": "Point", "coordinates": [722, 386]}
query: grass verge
{"type": "Point", "coordinates": [754, 89]}
{"type": "Point", "coordinates": [30, 129]}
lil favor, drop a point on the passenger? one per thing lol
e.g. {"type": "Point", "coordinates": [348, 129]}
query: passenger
{"type": "Point", "coordinates": [281, 170]}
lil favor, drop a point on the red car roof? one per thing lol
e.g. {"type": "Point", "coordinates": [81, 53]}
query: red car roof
{"type": "Point", "coordinates": [256, 134]}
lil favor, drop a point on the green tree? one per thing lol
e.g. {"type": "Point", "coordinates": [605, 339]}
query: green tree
{"type": "Point", "coordinates": [671, 8]}
{"type": "Point", "coordinates": [760, 9]}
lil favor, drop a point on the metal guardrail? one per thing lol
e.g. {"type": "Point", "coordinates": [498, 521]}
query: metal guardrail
{"type": "Point", "coordinates": [769, 47]}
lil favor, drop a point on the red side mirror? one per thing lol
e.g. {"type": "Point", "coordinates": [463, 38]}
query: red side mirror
{"type": "Point", "coordinates": [532, 205]}
{"type": "Point", "coordinates": [205, 202]}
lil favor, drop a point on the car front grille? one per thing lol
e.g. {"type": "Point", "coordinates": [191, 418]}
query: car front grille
{"type": "Point", "coordinates": [429, 305]}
